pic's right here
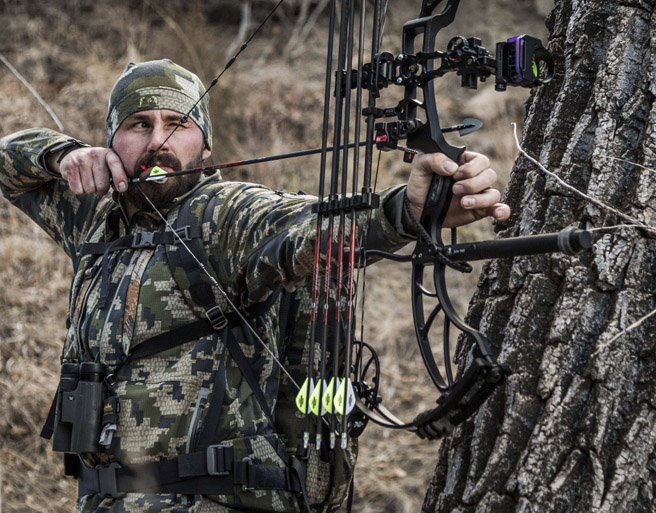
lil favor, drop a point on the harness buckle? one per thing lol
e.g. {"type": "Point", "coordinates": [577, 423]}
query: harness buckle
{"type": "Point", "coordinates": [184, 233]}
{"type": "Point", "coordinates": [217, 318]}
{"type": "Point", "coordinates": [143, 240]}
{"type": "Point", "coordinates": [218, 460]}
{"type": "Point", "coordinates": [108, 480]}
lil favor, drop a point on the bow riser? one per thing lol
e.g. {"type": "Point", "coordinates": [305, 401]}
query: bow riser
{"type": "Point", "coordinates": [428, 138]}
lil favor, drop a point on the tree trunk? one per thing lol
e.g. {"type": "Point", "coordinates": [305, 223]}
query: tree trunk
{"type": "Point", "coordinates": [574, 429]}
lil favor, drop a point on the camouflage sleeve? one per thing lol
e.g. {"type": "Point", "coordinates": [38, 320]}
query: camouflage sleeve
{"type": "Point", "coordinates": [40, 193]}
{"type": "Point", "coordinates": [264, 239]}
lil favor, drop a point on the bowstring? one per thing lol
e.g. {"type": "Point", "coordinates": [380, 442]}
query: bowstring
{"type": "Point", "coordinates": [230, 62]}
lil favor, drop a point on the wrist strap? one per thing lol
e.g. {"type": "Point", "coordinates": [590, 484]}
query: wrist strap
{"type": "Point", "coordinates": [66, 148]}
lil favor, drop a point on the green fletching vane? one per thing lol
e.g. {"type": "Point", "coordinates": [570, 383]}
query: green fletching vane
{"type": "Point", "coordinates": [329, 395]}
{"type": "Point", "coordinates": [303, 394]}
{"type": "Point", "coordinates": [158, 172]}
{"type": "Point", "coordinates": [315, 399]}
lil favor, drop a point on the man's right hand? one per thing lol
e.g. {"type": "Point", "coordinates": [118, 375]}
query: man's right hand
{"type": "Point", "coordinates": [88, 170]}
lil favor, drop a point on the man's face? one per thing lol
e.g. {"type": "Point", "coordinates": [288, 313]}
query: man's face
{"type": "Point", "coordinates": [139, 136]}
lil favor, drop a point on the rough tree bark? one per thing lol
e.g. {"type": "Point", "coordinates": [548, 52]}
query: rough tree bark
{"type": "Point", "coordinates": [574, 429]}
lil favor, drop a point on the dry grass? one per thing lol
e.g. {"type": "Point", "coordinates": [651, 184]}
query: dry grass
{"type": "Point", "coordinates": [71, 52]}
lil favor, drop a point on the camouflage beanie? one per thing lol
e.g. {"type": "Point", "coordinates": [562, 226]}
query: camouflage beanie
{"type": "Point", "coordinates": [157, 85]}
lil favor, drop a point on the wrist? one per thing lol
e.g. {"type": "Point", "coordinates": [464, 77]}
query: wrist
{"type": "Point", "coordinates": [55, 155]}
{"type": "Point", "coordinates": [409, 220]}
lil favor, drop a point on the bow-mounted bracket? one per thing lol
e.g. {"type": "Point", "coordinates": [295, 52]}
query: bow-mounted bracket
{"type": "Point", "coordinates": [521, 61]}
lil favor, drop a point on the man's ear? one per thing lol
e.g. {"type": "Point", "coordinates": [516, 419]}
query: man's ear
{"type": "Point", "coordinates": [206, 153]}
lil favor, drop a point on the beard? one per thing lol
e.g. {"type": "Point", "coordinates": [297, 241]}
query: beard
{"type": "Point", "coordinates": [161, 194]}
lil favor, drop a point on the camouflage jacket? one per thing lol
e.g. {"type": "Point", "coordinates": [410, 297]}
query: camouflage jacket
{"type": "Point", "coordinates": [256, 240]}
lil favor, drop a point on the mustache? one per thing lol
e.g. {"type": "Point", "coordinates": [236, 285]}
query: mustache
{"type": "Point", "coordinates": [162, 159]}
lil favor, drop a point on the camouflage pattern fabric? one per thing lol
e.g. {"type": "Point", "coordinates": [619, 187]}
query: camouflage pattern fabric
{"type": "Point", "coordinates": [157, 85]}
{"type": "Point", "coordinates": [256, 240]}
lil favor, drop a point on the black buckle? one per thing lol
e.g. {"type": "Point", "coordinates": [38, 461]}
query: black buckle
{"type": "Point", "coordinates": [217, 318]}
{"type": "Point", "coordinates": [184, 233]}
{"type": "Point", "coordinates": [108, 480]}
{"type": "Point", "coordinates": [143, 240]}
{"type": "Point", "coordinates": [219, 460]}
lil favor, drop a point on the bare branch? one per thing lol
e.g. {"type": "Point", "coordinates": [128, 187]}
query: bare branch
{"type": "Point", "coordinates": [627, 162]}
{"type": "Point", "coordinates": [33, 91]}
{"type": "Point", "coordinates": [578, 193]}
{"type": "Point", "coordinates": [633, 326]}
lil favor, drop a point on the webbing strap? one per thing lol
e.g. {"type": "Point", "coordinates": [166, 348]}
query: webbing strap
{"type": "Point", "coordinates": [213, 415]}
{"type": "Point", "coordinates": [140, 240]}
{"type": "Point", "coordinates": [200, 290]}
{"type": "Point", "coordinates": [297, 468]}
{"type": "Point", "coordinates": [240, 359]}
{"type": "Point", "coordinates": [289, 305]}
{"type": "Point", "coordinates": [192, 331]}
{"type": "Point", "coordinates": [170, 339]}
{"type": "Point", "coordinates": [213, 471]}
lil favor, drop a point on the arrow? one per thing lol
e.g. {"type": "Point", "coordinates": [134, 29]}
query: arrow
{"type": "Point", "coordinates": [468, 125]}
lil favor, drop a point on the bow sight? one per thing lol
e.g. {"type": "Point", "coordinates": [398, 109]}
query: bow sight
{"type": "Point", "coordinates": [522, 62]}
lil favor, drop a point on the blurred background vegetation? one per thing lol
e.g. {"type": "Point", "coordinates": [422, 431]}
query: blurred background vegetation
{"type": "Point", "coordinates": [71, 52]}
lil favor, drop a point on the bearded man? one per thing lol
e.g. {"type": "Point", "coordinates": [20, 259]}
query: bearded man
{"type": "Point", "coordinates": [176, 409]}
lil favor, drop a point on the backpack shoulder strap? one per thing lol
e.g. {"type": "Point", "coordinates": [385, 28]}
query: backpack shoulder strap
{"type": "Point", "coordinates": [191, 278]}
{"type": "Point", "coordinates": [197, 290]}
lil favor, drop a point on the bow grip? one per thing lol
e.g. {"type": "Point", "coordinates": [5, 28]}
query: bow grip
{"type": "Point", "coordinates": [437, 205]}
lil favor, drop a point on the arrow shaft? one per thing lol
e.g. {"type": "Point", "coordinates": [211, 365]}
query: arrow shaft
{"type": "Point", "coordinates": [238, 163]}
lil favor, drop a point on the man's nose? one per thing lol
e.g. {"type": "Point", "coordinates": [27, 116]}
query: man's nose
{"type": "Point", "coordinates": [159, 138]}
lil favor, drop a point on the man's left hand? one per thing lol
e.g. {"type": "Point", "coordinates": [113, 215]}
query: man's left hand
{"type": "Point", "coordinates": [473, 195]}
